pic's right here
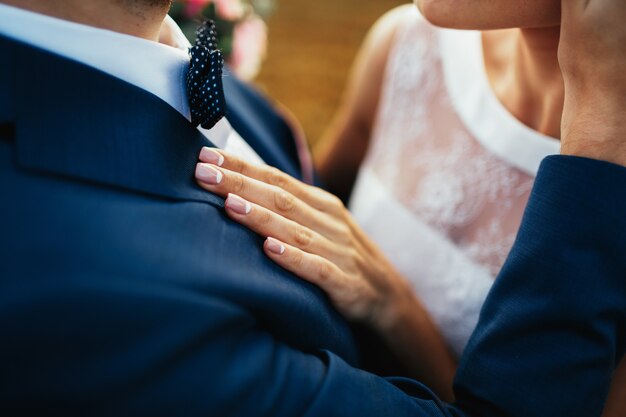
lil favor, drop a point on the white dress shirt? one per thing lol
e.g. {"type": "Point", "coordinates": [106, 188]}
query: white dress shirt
{"type": "Point", "coordinates": [151, 66]}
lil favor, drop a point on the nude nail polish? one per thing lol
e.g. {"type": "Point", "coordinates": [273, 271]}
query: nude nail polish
{"type": "Point", "coordinates": [275, 246]}
{"type": "Point", "coordinates": [238, 204]}
{"type": "Point", "coordinates": [209, 174]}
{"type": "Point", "coordinates": [211, 156]}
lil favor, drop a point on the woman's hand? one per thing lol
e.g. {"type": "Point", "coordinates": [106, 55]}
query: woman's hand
{"type": "Point", "coordinates": [311, 234]}
{"type": "Point", "coordinates": [593, 62]}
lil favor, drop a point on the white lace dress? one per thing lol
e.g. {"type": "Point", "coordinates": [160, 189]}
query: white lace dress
{"type": "Point", "coordinates": [447, 174]}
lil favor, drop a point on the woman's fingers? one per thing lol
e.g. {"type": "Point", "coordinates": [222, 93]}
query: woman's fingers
{"type": "Point", "coordinates": [310, 267]}
{"type": "Point", "coordinates": [353, 298]}
{"type": "Point", "coordinates": [267, 223]}
{"type": "Point", "coordinates": [262, 173]}
{"type": "Point", "coordinates": [222, 181]}
{"type": "Point", "coordinates": [312, 196]}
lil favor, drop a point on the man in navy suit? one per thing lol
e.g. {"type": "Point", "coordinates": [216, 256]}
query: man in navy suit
{"type": "Point", "coordinates": [124, 290]}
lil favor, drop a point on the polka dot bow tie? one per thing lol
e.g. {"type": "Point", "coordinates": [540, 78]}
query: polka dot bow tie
{"type": "Point", "coordinates": [204, 79]}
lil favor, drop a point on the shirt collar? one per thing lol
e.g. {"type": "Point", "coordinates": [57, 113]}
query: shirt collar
{"type": "Point", "coordinates": [154, 67]}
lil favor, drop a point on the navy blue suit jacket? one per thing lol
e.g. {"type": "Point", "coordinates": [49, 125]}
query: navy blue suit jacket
{"type": "Point", "coordinates": [124, 290]}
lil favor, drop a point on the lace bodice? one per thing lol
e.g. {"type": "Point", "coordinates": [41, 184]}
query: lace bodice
{"type": "Point", "coordinates": [447, 174]}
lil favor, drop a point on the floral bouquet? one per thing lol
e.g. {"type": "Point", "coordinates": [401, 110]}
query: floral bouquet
{"type": "Point", "coordinates": [241, 30]}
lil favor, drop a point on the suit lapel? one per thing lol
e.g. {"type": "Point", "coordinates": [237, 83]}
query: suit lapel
{"type": "Point", "coordinates": [73, 120]}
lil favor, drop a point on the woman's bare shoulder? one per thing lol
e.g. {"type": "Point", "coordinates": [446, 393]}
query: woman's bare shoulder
{"type": "Point", "coordinates": [368, 71]}
{"type": "Point", "coordinates": [345, 141]}
{"type": "Point", "coordinates": [382, 34]}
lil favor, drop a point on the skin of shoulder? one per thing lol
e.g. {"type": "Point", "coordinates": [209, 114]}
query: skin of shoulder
{"type": "Point", "coordinates": [343, 146]}
{"type": "Point", "coordinates": [368, 73]}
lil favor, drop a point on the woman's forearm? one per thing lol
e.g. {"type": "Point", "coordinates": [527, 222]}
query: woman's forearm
{"type": "Point", "coordinates": [413, 337]}
{"type": "Point", "coordinates": [339, 155]}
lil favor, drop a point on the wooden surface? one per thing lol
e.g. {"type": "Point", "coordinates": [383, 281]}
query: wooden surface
{"type": "Point", "coordinates": [311, 47]}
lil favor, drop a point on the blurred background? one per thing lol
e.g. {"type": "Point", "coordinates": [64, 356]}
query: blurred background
{"type": "Point", "coordinates": [310, 52]}
{"type": "Point", "coordinates": [308, 45]}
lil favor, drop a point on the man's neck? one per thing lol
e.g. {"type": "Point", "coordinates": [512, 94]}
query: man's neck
{"type": "Point", "coordinates": [141, 18]}
{"type": "Point", "coordinates": [525, 75]}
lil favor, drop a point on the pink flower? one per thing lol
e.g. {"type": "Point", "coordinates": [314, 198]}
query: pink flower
{"type": "Point", "coordinates": [194, 7]}
{"type": "Point", "coordinates": [249, 47]}
{"type": "Point", "coordinates": [226, 9]}
{"type": "Point", "coordinates": [229, 9]}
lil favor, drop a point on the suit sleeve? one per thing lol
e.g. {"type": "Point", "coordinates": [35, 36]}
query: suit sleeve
{"type": "Point", "coordinates": [121, 347]}
{"type": "Point", "coordinates": [553, 328]}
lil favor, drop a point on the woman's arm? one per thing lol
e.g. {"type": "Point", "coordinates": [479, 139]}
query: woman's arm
{"type": "Point", "coordinates": [344, 143]}
{"type": "Point", "coordinates": [311, 234]}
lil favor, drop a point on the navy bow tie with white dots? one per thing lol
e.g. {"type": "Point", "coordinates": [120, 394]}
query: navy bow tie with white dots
{"type": "Point", "coordinates": [204, 79]}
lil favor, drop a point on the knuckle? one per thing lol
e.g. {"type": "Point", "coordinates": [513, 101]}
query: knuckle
{"type": "Point", "coordinates": [359, 262]}
{"type": "Point", "coordinates": [334, 205]}
{"type": "Point", "coordinates": [343, 212]}
{"type": "Point", "coordinates": [324, 271]}
{"type": "Point", "coordinates": [303, 237]}
{"type": "Point", "coordinates": [245, 169]}
{"type": "Point", "coordinates": [264, 218]}
{"type": "Point", "coordinates": [350, 261]}
{"type": "Point", "coordinates": [277, 177]}
{"type": "Point", "coordinates": [335, 201]}
{"type": "Point", "coordinates": [297, 259]}
{"type": "Point", "coordinates": [238, 184]}
{"type": "Point", "coordinates": [344, 232]}
{"type": "Point", "coordinates": [284, 201]}
{"type": "Point", "coordinates": [238, 165]}
{"type": "Point", "coordinates": [340, 232]}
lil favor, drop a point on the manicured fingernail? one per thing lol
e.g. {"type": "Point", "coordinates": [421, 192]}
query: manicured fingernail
{"type": "Point", "coordinates": [275, 246]}
{"type": "Point", "coordinates": [211, 156]}
{"type": "Point", "coordinates": [238, 204]}
{"type": "Point", "coordinates": [209, 174]}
